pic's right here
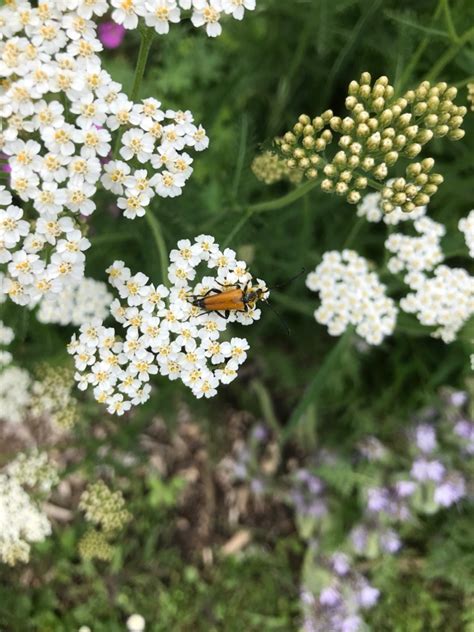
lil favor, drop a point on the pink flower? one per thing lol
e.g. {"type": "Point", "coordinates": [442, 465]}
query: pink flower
{"type": "Point", "coordinates": [111, 34]}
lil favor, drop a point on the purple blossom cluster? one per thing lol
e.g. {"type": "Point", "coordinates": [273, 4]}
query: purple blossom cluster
{"type": "Point", "coordinates": [338, 605]}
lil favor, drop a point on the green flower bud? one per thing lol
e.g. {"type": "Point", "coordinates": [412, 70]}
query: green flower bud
{"type": "Point", "coordinates": [386, 117]}
{"type": "Point", "coordinates": [456, 134]}
{"type": "Point", "coordinates": [304, 120]}
{"type": "Point", "coordinates": [368, 163]}
{"type": "Point", "coordinates": [311, 174]}
{"type": "Point", "coordinates": [408, 207]}
{"type": "Point", "coordinates": [365, 78]}
{"type": "Point", "coordinates": [353, 197]}
{"type": "Point", "coordinates": [308, 142]}
{"type": "Point", "coordinates": [330, 170]}
{"type": "Point", "coordinates": [391, 158]}
{"type": "Point", "coordinates": [327, 186]}
{"type": "Point", "coordinates": [436, 178]}
{"type": "Point", "coordinates": [351, 102]}
{"type": "Point", "coordinates": [414, 170]}
{"type": "Point", "coordinates": [353, 88]}
{"type": "Point", "coordinates": [420, 108]}
{"type": "Point", "coordinates": [341, 188]}
{"type": "Point", "coordinates": [360, 183]}
{"type": "Point", "coordinates": [381, 171]}
{"type": "Point", "coordinates": [364, 92]}
{"type": "Point", "coordinates": [327, 115]}
{"type": "Point", "coordinates": [421, 199]}
{"type": "Point", "coordinates": [412, 150]}
{"type": "Point", "coordinates": [318, 123]}
{"type": "Point", "coordinates": [345, 176]}
{"type": "Point", "coordinates": [347, 124]}
{"type": "Point", "coordinates": [441, 130]}
{"type": "Point", "coordinates": [353, 162]}
{"type": "Point", "coordinates": [427, 164]}
{"type": "Point", "coordinates": [345, 142]}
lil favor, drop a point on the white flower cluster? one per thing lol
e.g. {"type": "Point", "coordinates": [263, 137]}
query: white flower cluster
{"type": "Point", "coordinates": [164, 332]}
{"type": "Point", "coordinates": [6, 337]}
{"type": "Point", "coordinates": [352, 295]}
{"type": "Point", "coordinates": [77, 304]}
{"type": "Point", "coordinates": [414, 254]}
{"type": "Point", "coordinates": [14, 394]}
{"type": "Point", "coordinates": [160, 13]}
{"type": "Point", "coordinates": [445, 300]}
{"type": "Point", "coordinates": [371, 209]}
{"type": "Point", "coordinates": [21, 520]}
{"type": "Point", "coordinates": [466, 226]}
{"type": "Point", "coordinates": [59, 108]}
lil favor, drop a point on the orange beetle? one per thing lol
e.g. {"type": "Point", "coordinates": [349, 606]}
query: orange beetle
{"type": "Point", "coordinates": [232, 298]}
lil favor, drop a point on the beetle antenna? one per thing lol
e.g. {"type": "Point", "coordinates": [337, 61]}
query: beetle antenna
{"type": "Point", "coordinates": [285, 283]}
{"type": "Point", "coordinates": [279, 316]}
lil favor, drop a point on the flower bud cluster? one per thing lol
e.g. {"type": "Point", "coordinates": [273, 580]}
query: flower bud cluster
{"type": "Point", "coordinates": [104, 508]}
{"type": "Point", "coordinates": [51, 396]}
{"type": "Point", "coordinates": [371, 208]}
{"type": "Point", "coordinates": [351, 294]}
{"type": "Point", "coordinates": [76, 304]}
{"type": "Point", "coordinates": [59, 110]}
{"type": "Point", "coordinates": [466, 226]}
{"type": "Point", "coordinates": [413, 191]}
{"type": "Point", "coordinates": [34, 470]}
{"type": "Point", "coordinates": [415, 254]}
{"type": "Point", "coordinates": [164, 332]}
{"type": "Point", "coordinates": [94, 545]}
{"type": "Point", "coordinates": [379, 130]}
{"type": "Point", "coordinates": [269, 168]}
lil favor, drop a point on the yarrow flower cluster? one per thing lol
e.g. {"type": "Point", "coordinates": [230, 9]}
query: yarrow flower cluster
{"type": "Point", "coordinates": [159, 14]}
{"type": "Point", "coordinates": [164, 332]}
{"type": "Point", "coordinates": [6, 338]}
{"type": "Point", "coordinates": [105, 509]}
{"type": "Point", "coordinates": [444, 300]}
{"type": "Point", "coordinates": [351, 294]}
{"type": "Point", "coordinates": [59, 109]}
{"type": "Point", "coordinates": [379, 130]}
{"type": "Point", "coordinates": [76, 304]}
{"type": "Point", "coordinates": [466, 226]}
{"type": "Point", "coordinates": [22, 522]}
{"type": "Point", "coordinates": [415, 254]}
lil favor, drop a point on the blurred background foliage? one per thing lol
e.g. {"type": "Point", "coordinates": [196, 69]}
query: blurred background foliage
{"type": "Point", "coordinates": [246, 87]}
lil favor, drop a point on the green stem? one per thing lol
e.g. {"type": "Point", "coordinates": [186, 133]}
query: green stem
{"type": "Point", "coordinates": [241, 156]}
{"type": "Point", "coordinates": [146, 39]}
{"type": "Point", "coordinates": [464, 82]}
{"type": "Point", "coordinates": [450, 54]}
{"type": "Point", "coordinates": [285, 200]}
{"type": "Point", "coordinates": [354, 232]}
{"type": "Point", "coordinates": [240, 224]}
{"type": "Point", "coordinates": [449, 21]}
{"type": "Point", "coordinates": [266, 405]}
{"type": "Point", "coordinates": [160, 244]}
{"type": "Point", "coordinates": [316, 384]}
{"type": "Point", "coordinates": [419, 51]}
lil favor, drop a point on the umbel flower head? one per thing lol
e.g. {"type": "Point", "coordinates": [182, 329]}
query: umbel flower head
{"type": "Point", "coordinates": [380, 128]}
{"type": "Point", "coordinates": [165, 331]}
{"type": "Point", "coordinates": [60, 110]}
{"type": "Point", "coordinates": [351, 294]}
{"type": "Point", "coordinates": [104, 508]}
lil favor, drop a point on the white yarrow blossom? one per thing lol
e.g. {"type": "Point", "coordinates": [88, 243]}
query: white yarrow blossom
{"type": "Point", "coordinates": [164, 332]}
{"type": "Point", "coordinates": [466, 226]}
{"type": "Point", "coordinates": [351, 294]}
{"type": "Point", "coordinates": [51, 55]}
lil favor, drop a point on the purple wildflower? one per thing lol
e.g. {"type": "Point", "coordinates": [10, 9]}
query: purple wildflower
{"type": "Point", "coordinates": [425, 436]}
{"type": "Point", "coordinates": [449, 492]}
{"type": "Point", "coordinates": [368, 596]}
{"type": "Point", "coordinates": [329, 596]}
{"type": "Point", "coordinates": [111, 34]}
{"type": "Point", "coordinates": [423, 470]}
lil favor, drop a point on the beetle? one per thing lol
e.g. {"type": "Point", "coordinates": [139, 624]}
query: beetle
{"type": "Point", "coordinates": [231, 298]}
